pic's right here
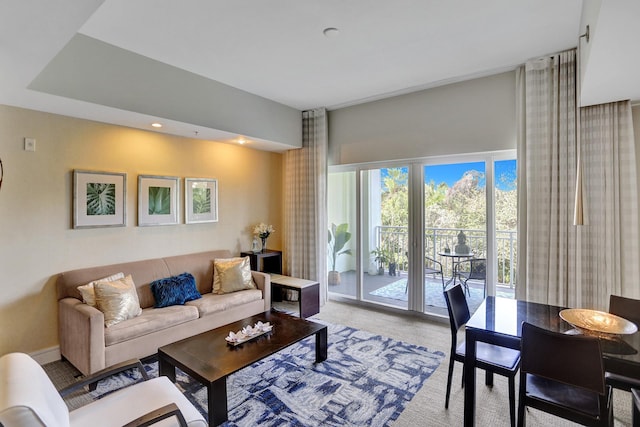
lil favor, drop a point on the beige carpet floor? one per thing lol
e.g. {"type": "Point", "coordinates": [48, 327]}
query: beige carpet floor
{"type": "Point", "coordinates": [427, 407]}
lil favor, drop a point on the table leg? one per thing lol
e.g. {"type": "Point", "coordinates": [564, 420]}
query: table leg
{"type": "Point", "coordinates": [166, 369]}
{"type": "Point", "coordinates": [217, 402]}
{"type": "Point", "coordinates": [321, 345]}
{"type": "Point", "coordinates": [488, 379]}
{"type": "Point", "coordinates": [470, 379]}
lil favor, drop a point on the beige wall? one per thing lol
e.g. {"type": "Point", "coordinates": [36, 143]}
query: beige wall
{"type": "Point", "coordinates": [467, 117]}
{"type": "Point", "coordinates": [37, 240]}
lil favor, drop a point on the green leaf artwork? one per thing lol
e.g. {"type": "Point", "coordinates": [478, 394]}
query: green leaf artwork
{"type": "Point", "coordinates": [101, 198]}
{"type": "Point", "coordinates": [159, 200]}
{"type": "Point", "coordinates": [201, 200]}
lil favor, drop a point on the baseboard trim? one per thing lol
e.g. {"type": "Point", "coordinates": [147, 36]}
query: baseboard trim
{"type": "Point", "coordinates": [48, 355]}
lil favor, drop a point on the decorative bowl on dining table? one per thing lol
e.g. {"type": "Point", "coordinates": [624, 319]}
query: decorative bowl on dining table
{"type": "Point", "coordinates": [599, 323]}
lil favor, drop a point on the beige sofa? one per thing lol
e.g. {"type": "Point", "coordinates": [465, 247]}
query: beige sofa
{"type": "Point", "coordinates": [89, 346]}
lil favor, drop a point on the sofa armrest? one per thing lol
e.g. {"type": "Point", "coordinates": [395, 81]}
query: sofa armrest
{"type": "Point", "coordinates": [81, 331]}
{"type": "Point", "coordinates": [263, 282]}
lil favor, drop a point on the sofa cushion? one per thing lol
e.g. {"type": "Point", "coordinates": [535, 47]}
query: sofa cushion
{"type": "Point", "coordinates": [117, 299]}
{"type": "Point", "coordinates": [174, 290]}
{"type": "Point", "coordinates": [87, 292]}
{"type": "Point", "coordinates": [232, 275]}
{"type": "Point", "coordinates": [211, 303]}
{"type": "Point", "coordinates": [151, 320]}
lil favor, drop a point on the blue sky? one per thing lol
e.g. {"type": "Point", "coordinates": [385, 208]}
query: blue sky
{"type": "Point", "coordinates": [450, 173]}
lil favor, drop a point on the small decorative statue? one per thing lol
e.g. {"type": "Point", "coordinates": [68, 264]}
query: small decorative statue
{"type": "Point", "coordinates": [461, 247]}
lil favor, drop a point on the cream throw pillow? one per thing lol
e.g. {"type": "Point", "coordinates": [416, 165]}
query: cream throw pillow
{"type": "Point", "coordinates": [88, 295]}
{"type": "Point", "coordinates": [118, 300]}
{"type": "Point", "coordinates": [231, 275]}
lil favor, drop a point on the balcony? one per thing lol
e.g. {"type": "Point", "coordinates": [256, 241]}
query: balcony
{"type": "Point", "coordinates": [394, 240]}
{"type": "Point", "coordinates": [390, 288]}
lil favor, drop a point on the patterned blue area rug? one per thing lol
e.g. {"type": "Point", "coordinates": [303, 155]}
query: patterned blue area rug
{"type": "Point", "coordinates": [367, 380]}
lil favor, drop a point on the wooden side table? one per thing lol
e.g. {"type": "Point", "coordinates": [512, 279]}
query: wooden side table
{"type": "Point", "coordinates": [308, 292]}
{"type": "Point", "coordinates": [268, 261]}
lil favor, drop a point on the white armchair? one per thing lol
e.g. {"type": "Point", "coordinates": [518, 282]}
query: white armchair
{"type": "Point", "coordinates": [29, 398]}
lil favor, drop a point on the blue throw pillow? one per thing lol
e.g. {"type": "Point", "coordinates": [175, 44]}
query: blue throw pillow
{"type": "Point", "coordinates": [175, 290]}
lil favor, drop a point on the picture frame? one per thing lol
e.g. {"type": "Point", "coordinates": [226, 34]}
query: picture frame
{"type": "Point", "coordinates": [158, 198]}
{"type": "Point", "coordinates": [200, 200]}
{"type": "Point", "coordinates": [99, 199]}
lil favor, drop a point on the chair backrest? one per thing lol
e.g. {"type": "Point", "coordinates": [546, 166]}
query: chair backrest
{"type": "Point", "coordinates": [27, 395]}
{"type": "Point", "coordinates": [431, 265]}
{"type": "Point", "coordinates": [570, 359]}
{"type": "Point", "coordinates": [478, 268]}
{"type": "Point", "coordinates": [628, 308]}
{"type": "Point", "coordinates": [457, 307]}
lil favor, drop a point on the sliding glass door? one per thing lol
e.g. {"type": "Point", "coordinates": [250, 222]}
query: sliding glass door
{"type": "Point", "coordinates": [404, 219]}
{"type": "Point", "coordinates": [455, 223]}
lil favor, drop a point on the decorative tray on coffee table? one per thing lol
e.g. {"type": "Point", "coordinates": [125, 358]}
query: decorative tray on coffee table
{"type": "Point", "coordinates": [248, 333]}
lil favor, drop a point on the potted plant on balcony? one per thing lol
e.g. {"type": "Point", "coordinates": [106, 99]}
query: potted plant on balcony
{"type": "Point", "coordinates": [382, 257]}
{"type": "Point", "coordinates": [338, 238]}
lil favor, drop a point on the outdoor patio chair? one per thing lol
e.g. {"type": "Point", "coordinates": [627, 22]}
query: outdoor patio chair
{"type": "Point", "coordinates": [491, 358]}
{"type": "Point", "coordinates": [629, 309]}
{"type": "Point", "coordinates": [563, 375]}
{"type": "Point", "coordinates": [433, 268]}
{"type": "Point", "coordinates": [472, 269]}
{"type": "Point", "coordinates": [29, 398]}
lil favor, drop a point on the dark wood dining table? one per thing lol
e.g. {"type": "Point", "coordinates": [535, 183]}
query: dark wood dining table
{"type": "Point", "coordinates": [499, 321]}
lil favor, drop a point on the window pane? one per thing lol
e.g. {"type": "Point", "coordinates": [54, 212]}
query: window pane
{"type": "Point", "coordinates": [506, 191]}
{"type": "Point", "coordinates": [455, 222]}
{"type": "Point", "coordinates": [385, 211]}
{"type": "Point", "coordinates": [341, 209]}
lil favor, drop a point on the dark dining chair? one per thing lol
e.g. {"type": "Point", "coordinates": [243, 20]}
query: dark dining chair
{"type": "Point", "coordinates": [472, 269]}
{"type": "Point", "coordinates": [629, 309]}
{"type": "Point", "coordinates": [492, 358]}
{"type": "Point", "coordinates": [563, 375]}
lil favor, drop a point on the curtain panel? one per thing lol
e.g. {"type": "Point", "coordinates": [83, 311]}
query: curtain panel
{"type": "Point", "coordinates": [546, 232]}
{"type": "Point", "coordinates": [561, 263]}
{"type": "Point", "coordinates": [609, 239]}
{"type": "Point", "coordinates": [305, 203]}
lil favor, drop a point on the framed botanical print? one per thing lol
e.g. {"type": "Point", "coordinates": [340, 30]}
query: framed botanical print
{"type": "Point", "coordinates": [201, 200]}
{"type": "Point", "coordinates": [99, 199]}
{"type": "Point", "coordinates": [158, 198]}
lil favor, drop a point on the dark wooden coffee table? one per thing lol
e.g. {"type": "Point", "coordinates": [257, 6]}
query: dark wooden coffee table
{"type": "Point", "coordinates": [208, 358]}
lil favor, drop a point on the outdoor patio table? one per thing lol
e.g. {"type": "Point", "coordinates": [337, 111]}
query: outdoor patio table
{"type": "Point", "coordinates": [499, 321]}
{"type": "Point", "coordinates": [455, 260]}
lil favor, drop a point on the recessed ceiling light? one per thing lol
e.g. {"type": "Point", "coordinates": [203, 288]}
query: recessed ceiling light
{"type": "Point", "coordinates": [241, 141]}
{"type": "Point", "coordinates": [156, 125]}
{"type": "Point", "coordinates": [331, 32]}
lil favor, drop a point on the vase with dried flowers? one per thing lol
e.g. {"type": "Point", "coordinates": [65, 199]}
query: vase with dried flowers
{"type": "Point", "coordinates": [263, 231]}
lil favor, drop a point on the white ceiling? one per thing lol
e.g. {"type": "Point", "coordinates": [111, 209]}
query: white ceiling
{"type": "Point", "coordinates": [276, 49]}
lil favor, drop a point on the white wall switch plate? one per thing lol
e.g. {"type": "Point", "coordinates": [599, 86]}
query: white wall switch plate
{"type": "Point", "coordinates": [29, 144]}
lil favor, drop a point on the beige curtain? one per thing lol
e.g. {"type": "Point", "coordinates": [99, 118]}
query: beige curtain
{"type": "Point", "coordinates": [561, 263]}
{"type": "Point", "coordinates": [609, 239]}
{"type": "Point", "coordinates": [547, 152]}
{"type": "Point", "coordinates": [305, 203]}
